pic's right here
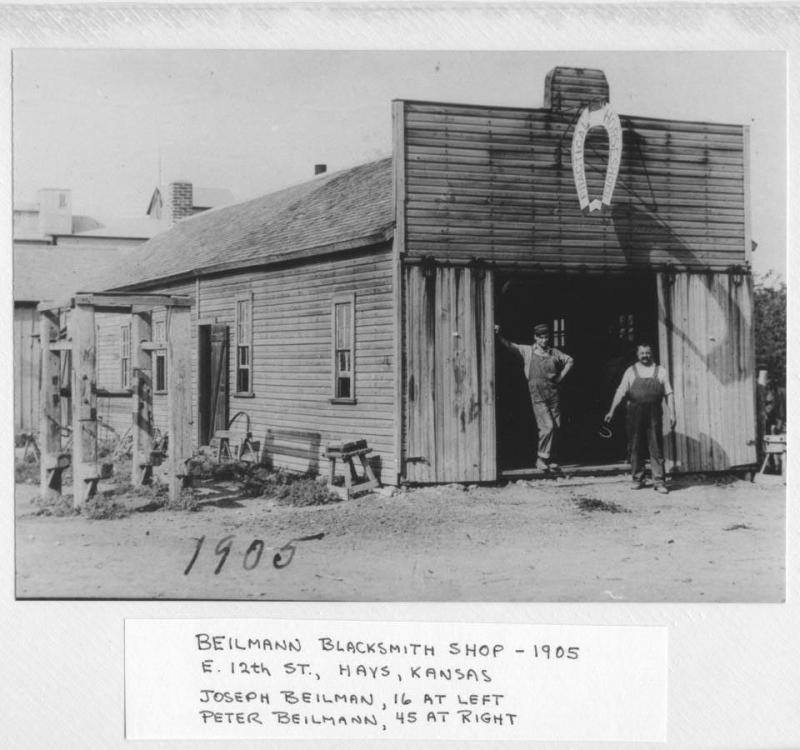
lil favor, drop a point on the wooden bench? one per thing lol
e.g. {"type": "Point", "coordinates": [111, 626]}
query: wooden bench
{"type": "Point", "coordinates": [346, 452]}
{"type": "Point", "coordinates": [300, 444]}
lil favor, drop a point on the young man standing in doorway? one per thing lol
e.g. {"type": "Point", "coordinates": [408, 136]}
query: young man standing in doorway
{"type": "Point", "coordinates": [545, 367]}
{"type": "Point", "coordinates": [646, 386]}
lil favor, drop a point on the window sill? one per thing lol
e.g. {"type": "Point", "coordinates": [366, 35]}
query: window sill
{"type": "Point", "coordinates": [350, 401]}
{"type": "Point", "coordinates": [249, 394]}
{"type": "Point", "coordinates": [113, 392]}
{"type": "Point", "coordinates": [160, 393]}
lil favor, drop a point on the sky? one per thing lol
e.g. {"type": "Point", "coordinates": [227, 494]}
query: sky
{"type": "Point", "coordinates": [107, 124]}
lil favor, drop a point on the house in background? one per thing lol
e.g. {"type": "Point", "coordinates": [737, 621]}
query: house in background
{"type": "Point", "coordinates": [51, 215]}
{"type": "Point", "coordinates": [43, 272]}
{"type": "Point", "coordinates": [363, 303]}
{"type": "Point", "coordinates": [58, 253]}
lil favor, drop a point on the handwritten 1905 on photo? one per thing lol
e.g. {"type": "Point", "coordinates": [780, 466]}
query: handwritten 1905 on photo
{"type": "Point", "coordinates": [282, 335]}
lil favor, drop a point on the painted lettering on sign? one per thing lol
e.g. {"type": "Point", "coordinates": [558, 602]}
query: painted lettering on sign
{"type": "Point", "coordinates": [607, 118]}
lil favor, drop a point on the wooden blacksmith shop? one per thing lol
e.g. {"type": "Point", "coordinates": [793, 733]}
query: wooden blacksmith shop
{"type": "Point", "coordinates": [362, 304]}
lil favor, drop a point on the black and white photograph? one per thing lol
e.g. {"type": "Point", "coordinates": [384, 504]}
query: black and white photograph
{"type": "Point", "coordinates": [399, 326]}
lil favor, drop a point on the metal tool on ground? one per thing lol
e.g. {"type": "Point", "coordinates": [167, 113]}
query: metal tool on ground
{"type": "Point", "coordinates": [346, 452]}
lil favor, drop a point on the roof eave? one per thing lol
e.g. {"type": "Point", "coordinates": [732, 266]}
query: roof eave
{"type": "Point", "coordinates": [376, 238]}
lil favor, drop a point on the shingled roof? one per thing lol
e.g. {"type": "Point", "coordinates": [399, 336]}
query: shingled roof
{"type": "Point", "coordinates": [340, 210]}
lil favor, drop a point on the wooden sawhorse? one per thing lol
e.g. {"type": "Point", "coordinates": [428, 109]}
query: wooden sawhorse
{"type": "Point", "coordinates": [346, 452]}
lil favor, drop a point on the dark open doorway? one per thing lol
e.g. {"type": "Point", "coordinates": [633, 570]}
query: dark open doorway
{"type": "Point", "coordinates": [212, 380]}
{"type": "Point", "coordinates": [598, 320]}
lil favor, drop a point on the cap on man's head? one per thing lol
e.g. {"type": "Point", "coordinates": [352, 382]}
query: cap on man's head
{"type": "Point", "coordinates": [541, 329]}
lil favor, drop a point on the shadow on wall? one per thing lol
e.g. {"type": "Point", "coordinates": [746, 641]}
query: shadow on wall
{"type": "Point", "coordinates": [645, 238]}
{"type": "Point", "coordinates": [694, 452]}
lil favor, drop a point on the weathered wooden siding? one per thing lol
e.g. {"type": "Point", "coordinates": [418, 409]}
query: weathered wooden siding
{"type": "Point", "coordinates": [115, 410]}
{"type": "Point", "coordinates": [292, 356]}
{"type": "Point", "coordinates": [26, 368]}
{"type": "Point", "coordinates": [449, 423]}
{"type": "Point", "coordinates": [706, 338]}
{"type": "Point", "coordinates": [497, 183]}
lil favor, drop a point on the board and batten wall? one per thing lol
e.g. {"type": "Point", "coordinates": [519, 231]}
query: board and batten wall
{"type": "Point", "coordinates": [497, 183]}
{"type": "Point", "coordinates": [493, 187]}
{"type": "Point", "coordinates": [706, 343]}
{"type": "Point", "coordinates": [449, 400]}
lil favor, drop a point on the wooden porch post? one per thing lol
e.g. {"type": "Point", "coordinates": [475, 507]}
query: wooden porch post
{"type": "Point", "coordinates": [84, 403]}
{"type": "Point", "coordinates": [142, 415]}
{"type": "Point", "coordinates": [179, 398]}
{"type": "Point", "coordinates": [50, 407]}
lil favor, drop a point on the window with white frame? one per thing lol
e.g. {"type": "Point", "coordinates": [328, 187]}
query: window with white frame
{"type": "Point", "coordinates": [160, 357]}
{"type": "Point", "coordinates": [244, 346]}
{"type": "Point", "coordinates": [125, 356]}
{"type": "Point", "coordinates": [343, 332]}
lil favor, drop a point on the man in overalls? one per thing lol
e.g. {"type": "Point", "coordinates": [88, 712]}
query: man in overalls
{"type": "Point", "coordinates": [545, 367]}
{"type": "Point", "coordinates": [646, 386]}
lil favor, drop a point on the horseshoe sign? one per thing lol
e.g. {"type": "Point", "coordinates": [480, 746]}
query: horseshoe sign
{"type": "Point", "coordinates": [603, 117]}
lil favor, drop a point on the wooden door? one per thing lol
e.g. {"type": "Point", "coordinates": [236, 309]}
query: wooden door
{"type": "Point", "coordinates": [706, 343]}
{"type": "Point", "coordinates": [449, 419]}
{"type": "Point", "coordinates": [212, 380]}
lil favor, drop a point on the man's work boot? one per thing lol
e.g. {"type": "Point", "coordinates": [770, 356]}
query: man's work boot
{"type": "Point", "coordinates": [637, 484]}
{"type": "Point", "coordinates": [542, 465]}
{"type": "Point", "coordinates": [661, 489]}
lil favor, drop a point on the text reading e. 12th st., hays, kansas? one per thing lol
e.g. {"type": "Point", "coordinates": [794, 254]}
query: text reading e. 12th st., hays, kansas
{"type": "Point", "coordinates": [313, 679]}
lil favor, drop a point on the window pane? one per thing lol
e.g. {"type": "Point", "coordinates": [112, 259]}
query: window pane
{"type": "Point", "coordinates": [243, 381]}
{"type": "Point", "coordinates": [343, 313]}
{"type": "Point", "coordinates": [343, 387]}
{"type": "Point", "coordinates": [161, 372]}
{"type": "Point", "coordinates": [244, 356]}
{"type": "Point", "coordinates": [243, 311]}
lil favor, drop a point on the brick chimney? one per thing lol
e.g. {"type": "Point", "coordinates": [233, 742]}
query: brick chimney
{"type": "Point", "coordinates": [575, 88]}
{"type": "Point", "coordinates": [320, 169]}
{"type": "Point", "coordinates": [180, 200]}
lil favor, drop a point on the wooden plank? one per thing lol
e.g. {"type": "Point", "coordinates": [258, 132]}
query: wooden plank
{"type": "Point", "coordinates": [748, 237]}
{"type": "Point", "coordinates": [50, 413]}
{"type": "Point", "coordinates": [142, 402]}
{"type": "Point", "coordinates": [487, 394]}
{"type": "Point", "coordinates": [85, 471]}
{"type": "Point", "coordinates": [125, 301]}
{"type": "Point", "coordinates": [470, 402]}
{"type": "Point", "coordinates": [398, 251]}
{"type": "Point", "coordinates": [412, 381]}
{"type": "Point", "coordinates": [442, 350]}
{"type": "Point", "coordinates": [179, 396]}
{"type": "Point", "coordinates": [515, 113]}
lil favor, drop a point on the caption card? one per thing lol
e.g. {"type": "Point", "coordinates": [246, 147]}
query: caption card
{"type": "Point", "coordinates": [225, 679]}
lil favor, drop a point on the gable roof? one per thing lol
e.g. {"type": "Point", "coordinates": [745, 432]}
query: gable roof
{"type": "Point", "coordinates": [351, 208]}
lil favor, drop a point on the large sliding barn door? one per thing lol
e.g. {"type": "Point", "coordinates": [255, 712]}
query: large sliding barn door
{"type": "Point", "coordinates": [448, 399]}
{"type": "Point", "coordinates": [705, 340]}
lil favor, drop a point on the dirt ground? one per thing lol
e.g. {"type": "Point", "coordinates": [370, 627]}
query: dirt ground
{"type": "Point", "coordinates": [562, 540]}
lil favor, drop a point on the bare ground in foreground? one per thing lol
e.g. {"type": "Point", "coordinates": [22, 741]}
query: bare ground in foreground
{"type": "Point", "coordinates": [566, 540]}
